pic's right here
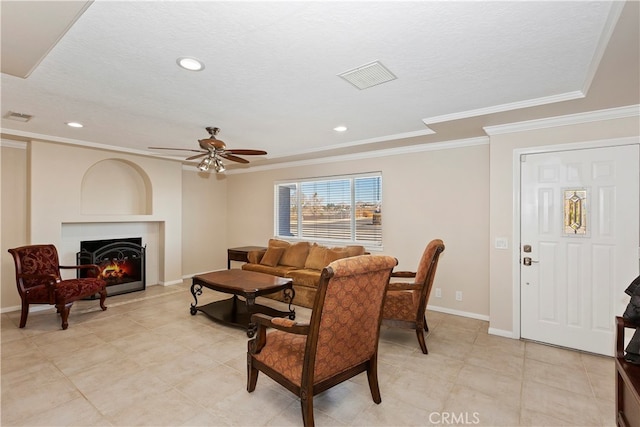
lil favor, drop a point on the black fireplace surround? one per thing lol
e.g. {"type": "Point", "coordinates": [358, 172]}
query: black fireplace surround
{"type": "Point", "coordinates": [121, 262]}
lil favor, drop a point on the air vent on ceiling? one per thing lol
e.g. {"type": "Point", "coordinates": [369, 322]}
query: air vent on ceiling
{"type": "Point", "coordinates": [368, 75]}
{"type": "Point", "coordinates": [19, 117]}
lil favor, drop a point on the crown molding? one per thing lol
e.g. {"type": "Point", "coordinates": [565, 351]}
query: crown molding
{"type": "Point", "coordinates": [504, 107]}
{"type": "Point", "coordinates": [9, 143]}
{"type": "Point", "coordinates": [434, 146]}
{"type": "Point", "coordinates": [570, 119]}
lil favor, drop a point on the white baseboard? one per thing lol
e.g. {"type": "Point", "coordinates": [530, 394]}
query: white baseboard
{"type": "Point", "coordinates": [502, 333]}
{"type": "Point", "coordinates": [458, 312]}
{"type": "Point", "coordinates": [172, 282]}
{"type": "Point", "coordinates": [32, 308]}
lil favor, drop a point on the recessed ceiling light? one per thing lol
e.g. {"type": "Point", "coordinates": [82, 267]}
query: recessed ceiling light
{"type": "Point", "coordinates": [191, 64]}
{"type": "Point", "coordinates": [75, 124]}
{"type": "Point", "coordinates": [340, 128]}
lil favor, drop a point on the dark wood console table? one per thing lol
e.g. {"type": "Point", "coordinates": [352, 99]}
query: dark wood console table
{"type": "Point", "coordinates": [247, 284]}
{"type": "Point", "coordinates": [240, 254]}
{"type": "Point", "coordinates": [627, 381]}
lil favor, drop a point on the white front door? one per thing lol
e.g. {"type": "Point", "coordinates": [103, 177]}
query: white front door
{"type": "Point", "coordinates": [579, 244]}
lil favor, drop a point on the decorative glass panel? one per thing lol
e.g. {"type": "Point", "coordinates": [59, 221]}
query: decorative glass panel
{"type": "Point", "coordinates": [575, 212]}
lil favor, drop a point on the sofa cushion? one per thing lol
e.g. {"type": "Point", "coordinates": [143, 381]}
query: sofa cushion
{"type": "Point", "coordinates": [315, 259]}
{"type": "Point", "coordinates": [354, 250]}
{"type": "Point", "coordinates": [295, 255]}
{"type": "Point", "coordinates": [278, 243]}
{"type": "Point", "coordinates": [304, 277]}
{"type": "Point", "coordinates": [279, 270]}
{"type": "Point", "coordinates": [334, 254]}
{"type": "Point", "coordinates": [254, 257]}
{"type": "Point", "coordinates": [272, 256]}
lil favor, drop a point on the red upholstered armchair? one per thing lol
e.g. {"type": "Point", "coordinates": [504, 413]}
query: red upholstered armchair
{"type": "Point", "coordinates": [339, 342]}
{"type": "Point", "coordinates": [39, 282]}
{"type": "Point", "coordinates": [406, 303]}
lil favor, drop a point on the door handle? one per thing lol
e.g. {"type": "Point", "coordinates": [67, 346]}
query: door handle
{"type": "Point", "coordinates": [528, 261]}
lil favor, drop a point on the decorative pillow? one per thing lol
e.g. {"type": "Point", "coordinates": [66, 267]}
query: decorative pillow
{"type": "Point", "coordinates": [315, 259]}
{"type": "Point", "coordinates": [272, 256]}
{"type": "Point", "coordinates": [354, 250]}
{"type": "Point", "coordinates": [254, 257]}
{"type": "Point", "coordinates": [334, 254]}
{"type": "Point", "coordinates": [295, 255]}
{"type": "Point", "coordinates": [278, 243]}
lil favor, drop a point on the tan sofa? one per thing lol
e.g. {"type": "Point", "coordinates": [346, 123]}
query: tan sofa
{"type": "Point", "coordinates": [302, 262]}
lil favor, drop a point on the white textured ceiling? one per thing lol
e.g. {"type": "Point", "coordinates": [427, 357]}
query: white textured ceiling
{"type": "Point", "coordinates": [271, 81]}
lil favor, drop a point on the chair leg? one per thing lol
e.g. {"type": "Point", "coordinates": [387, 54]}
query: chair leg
{"type": "Point", "coordinates": [426, 327]}
{"type": "Point", "coordinates": [423, 345]}
{"type": "Point", "coordinates": [372, 376]}
{"type": "Point", "coordinates": [24, 314]}
{"type": "Point", "coordinates": [103, 297]}
{"type": "Point", "coordinates": [306, 401]}
{"type": "Point", "coordinates": [64, 309]}
{"type": "Point", "coordinates": [252, 375]}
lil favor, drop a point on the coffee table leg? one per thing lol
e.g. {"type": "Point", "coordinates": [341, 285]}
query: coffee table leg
{"type": "Point", "coordinates": [196, 289]}
{"type": "Point", "coordinates": [289, 294]}
{"type": "Point", "coordinates": [252, 327]}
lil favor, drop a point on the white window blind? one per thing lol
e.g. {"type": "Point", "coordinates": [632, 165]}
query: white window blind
{"type": "Point", "coordinates": [341, 209]}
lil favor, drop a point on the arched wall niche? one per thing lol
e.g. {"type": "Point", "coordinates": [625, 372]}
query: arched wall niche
{"type": "Point", "coordinates": [116, 187]}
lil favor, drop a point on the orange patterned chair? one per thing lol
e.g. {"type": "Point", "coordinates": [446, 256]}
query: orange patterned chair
{"type": "Point", "coordinates": [406, 303]}
{"type": "Point", "coordinates": [339, 342]}
{"type": "Point", "coordinates": [39, 282]}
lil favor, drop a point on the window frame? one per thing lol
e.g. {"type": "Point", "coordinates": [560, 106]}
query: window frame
{"type": "Point", "coordinates": [375, 244]}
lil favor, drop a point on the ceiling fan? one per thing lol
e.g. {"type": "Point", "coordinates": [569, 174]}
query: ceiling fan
{"type": "Point", "coordinates": [213, 149]}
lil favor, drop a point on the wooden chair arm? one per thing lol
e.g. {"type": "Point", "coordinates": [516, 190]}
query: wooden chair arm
{"type": "Point", "coordinates": [403, 274]}
{"type": "Point", "coordinates": [400, 286]}
{"type": "Point", "coordinates": [52, 278]}
{"type": "Point", "coordinates": [82, 267]}
{"type": "Point", "coordinates": [280, 323]}
{"type": "Point", "coordinates": [263, 322]}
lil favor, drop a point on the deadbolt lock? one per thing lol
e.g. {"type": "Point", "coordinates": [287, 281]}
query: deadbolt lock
{"type": "Point", "coordinates": [526, 248]}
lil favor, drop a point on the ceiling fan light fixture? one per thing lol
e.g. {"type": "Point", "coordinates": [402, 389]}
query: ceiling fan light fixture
{"type": "Point", "coordinates": [205, 164]}
{"type": "Point", "coordinates": [191, 64]}
{"type": "Point", "coordinates": [218, 165]}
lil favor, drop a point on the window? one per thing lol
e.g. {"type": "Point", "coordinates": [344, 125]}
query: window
{"type": "Point", "coordinates": [337, 209]}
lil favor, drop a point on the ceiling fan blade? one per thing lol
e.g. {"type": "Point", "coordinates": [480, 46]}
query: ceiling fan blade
{"type": "Point", "coordinates": [197, 156]}
{"type": "Point", "coordinates": [233, 158]}
{"type": "Point", "coordinates": [169, 148]}
{"type": "Point", "coordinates": [247, 152]}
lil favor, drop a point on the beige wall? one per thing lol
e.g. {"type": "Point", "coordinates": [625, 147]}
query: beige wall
{"type": "Point", "coordinates": [426, 195]}
{"type": "Point", "coordinates": [502, 191]}
{"type": "Point", "coordinates": [204, 222]}
{"type": "Point", "coordinates": [13, 225]}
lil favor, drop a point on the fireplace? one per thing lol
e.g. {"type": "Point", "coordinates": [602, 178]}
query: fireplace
{"type": "Point", "coordinates": [121, 262]}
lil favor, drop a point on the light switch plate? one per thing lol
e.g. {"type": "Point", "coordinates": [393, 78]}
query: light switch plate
{"type": "Point", "coordinates": [502, 243]}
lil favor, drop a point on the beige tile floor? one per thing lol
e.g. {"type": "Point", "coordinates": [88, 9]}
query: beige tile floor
{"type": "Point", "coordinates": [147, 361]}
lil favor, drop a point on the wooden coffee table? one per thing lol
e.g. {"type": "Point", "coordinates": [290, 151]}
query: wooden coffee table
{"type": "Point", "coordinates": [247, 284]}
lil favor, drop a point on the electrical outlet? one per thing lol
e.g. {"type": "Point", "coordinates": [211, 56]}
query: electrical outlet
{"type": "Point", "coordinates": [458, 295]}
{"type": "Point", "coordinates": [438, 292]}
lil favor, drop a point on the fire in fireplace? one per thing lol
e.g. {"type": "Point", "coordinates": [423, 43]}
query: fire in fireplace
{"type": "Point", "coordinates": [121, 262]}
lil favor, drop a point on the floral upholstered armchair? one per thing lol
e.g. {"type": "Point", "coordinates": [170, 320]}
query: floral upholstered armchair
{"type": "Point", "coordinates": [339, 342]}
{"type": "Point", "coordinates": [406, 303]}
{"type": "Point", "coordinates": [39, 281]}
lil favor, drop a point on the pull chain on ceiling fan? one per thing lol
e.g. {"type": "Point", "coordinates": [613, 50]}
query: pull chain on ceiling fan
{"type": "Point", "coordinates": [214, 150]}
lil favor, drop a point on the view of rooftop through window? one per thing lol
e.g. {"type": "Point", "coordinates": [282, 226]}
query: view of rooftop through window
{"type": "Point", "coordinates": [343, 209]}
